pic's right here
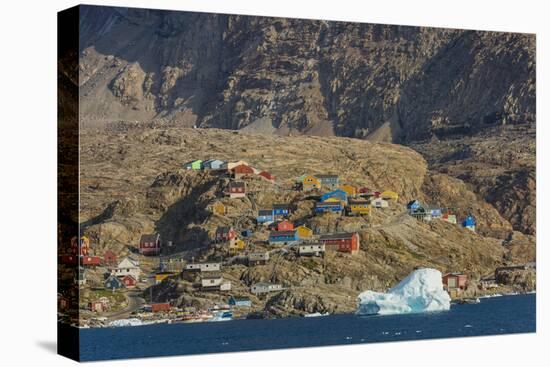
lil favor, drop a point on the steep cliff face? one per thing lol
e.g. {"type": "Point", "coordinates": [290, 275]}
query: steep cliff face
{"type": "Point", "coordinates": [301, 76]}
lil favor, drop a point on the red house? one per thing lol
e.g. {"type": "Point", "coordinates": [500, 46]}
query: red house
{"type": "Point", "coordinates": [285, 225]}
{"type": "Point", "coordinates": [342, 242]}
{"type": "Point", "coordinates": [160, 307]}
{"type": "Point", "coordinates": [267, 176]}
{"type": "Point", "coordinates": [242, 170]}
{"type": "Point", "coordinates": [225, 234]}
{"type": "Point", "coordinates": [67, 259]}
{"type": "Point", "coordinates": [236, 189]}
{"type": "Point", "coordinates": [455, 281]}
{"type": "Point", "coordinates": [90, 260]}
{"type": "Point", "coordinates": [149, 244]}
{"type": "Point", "coordinates": [129, 281]}
{"type": "Point", "coordinates": [109, 258]}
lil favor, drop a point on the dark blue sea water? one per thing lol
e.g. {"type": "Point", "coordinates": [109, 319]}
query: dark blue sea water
{"type": "Point", "coordinates": [499, 315]}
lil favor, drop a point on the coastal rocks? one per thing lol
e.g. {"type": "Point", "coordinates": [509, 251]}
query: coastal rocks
{"type": "Point", "coordinates": [421, 291]}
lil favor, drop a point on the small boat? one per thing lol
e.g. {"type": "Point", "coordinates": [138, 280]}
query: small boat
{"type": "Point", "coordinates": [222, 316]}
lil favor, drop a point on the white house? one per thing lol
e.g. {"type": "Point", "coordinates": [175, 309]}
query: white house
{"type": "Point", "coordinates": [127, 266]}
{"type": "Point", "coordinates": [215, 283]}
{"type": "Point", "coordinates": [261, 288]}
{"type": "Point", "coordinates": [379, 203]}
{"type": "Point", "coordinates": [203, 267]}
{"type": "Point", "coordinates": [311, 249]}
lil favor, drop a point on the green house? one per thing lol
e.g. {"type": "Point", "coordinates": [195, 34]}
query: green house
{"type": "Point", "coordinates": [194, 164]}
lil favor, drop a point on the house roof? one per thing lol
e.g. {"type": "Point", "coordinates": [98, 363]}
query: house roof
{"type": "Point", "coordinates": [149, 237]}
{"type": "Point", "coordinates": [236, 184]}
{"type": "Point", "coordinates": [282, 233]}
{"type": "Point", "coordinates": [338, 236]}
{"type": "Point", "coordinates": [356, 202]}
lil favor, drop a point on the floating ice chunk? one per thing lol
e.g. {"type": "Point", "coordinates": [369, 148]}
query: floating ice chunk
{"type": "Point", "coordinates": [420, 291]}
{"type": "Point", "coordinates": [126, 322]}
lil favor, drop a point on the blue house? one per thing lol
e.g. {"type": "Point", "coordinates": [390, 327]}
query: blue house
{"type": "Point", "coordinates": [239, 302]}
{"type": "Point", "coordinates": [413, 205]}
{"type": "Point", "coordinates": [469, 223]}
{"type": "Point", "coordinates": [281, 210]}
{"type": "Point", "coordinates": [212, 164]}
{"type": "Point", "coordinates": [287, 237]}
{"type": "Point", "coordinates": [435, 212]}
{"type": "Point", "coordinates": [113, 283]}
{"type": "Point", "coordinates": [329, 207]}
{"type": "Point", "coordinates": [265, 216]}
{"type": "Point", "coordinates": [336, 194]}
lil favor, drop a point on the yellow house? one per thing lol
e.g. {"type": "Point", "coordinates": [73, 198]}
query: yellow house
{"type": "Point", "coordinates": [303, 232]}
{"type": "Point", "coordinates": [311, 183]}
{"type": "Point", "coordinates": [219, 209]}
{"type": "Point", "coordinates": [389, 195]}
{"type": "Point", "coordinates": [349, 189]}
{"type": "Point", "coordinates": [159, 277]}
{"type": "Point", "coordinates": [332, 200]}
{"type": "Point", "coordinates": [359, 207]}
{"type": "Point", "coordinates": [236, 246]}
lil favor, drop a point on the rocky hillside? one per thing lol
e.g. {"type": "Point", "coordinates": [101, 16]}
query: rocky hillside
{"type": "Point", "coordinates": [132, 182]}
{"type": "Point", "coordinates": [295, 76]}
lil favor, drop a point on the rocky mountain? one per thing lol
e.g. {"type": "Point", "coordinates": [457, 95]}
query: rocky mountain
{"type": "Point", "coordinates": [297, 76]}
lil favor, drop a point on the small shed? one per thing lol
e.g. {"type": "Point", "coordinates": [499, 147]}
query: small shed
{"type": "Point", "coordinates": [236, 189]}
{"type": "Point", "coordinates": [128, 281]}
{"type": "Point", "coordinates": [218, 208]}
{"type": "Point", "coordinates": [455, 281]}
{"type": "Point", "coordinates": [389, 195]}
{"type": "Point", "coordinates": [469, 223]}
{"type": "Point", "coordinates": [304, 232]}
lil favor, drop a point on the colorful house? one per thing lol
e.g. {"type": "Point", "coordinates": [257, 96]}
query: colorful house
{"type": "Point", "coordinates": [265, 216]}
{"type": "Point", "coordinates": [455, 282]}
{"type": "Point", "coordinates": [128, 281]}
{"type": "Point", "coordinates": [342, 242]}
{"type": "Point", "coordinates": [127, 266]}
{"type": "Point", "coordinates": [281, 210]}
{"type": "Point", "coordinates": [113, 283]}
{"type": "Point", "coordinates": [349, 189]}
{"type": "Point", "coordinates": [413, 205]}
{"type": "Point", "coordinates": [239, 302]}
{"type": "Point", "coordinates": [194, 165]}
{"type": "Point", "coordinates": [267, 176]}
{"type": "Point", "coordinates": [236, 246]}
{"type": "Point", "coordinates": [161, 276]}
{"type": "Point", "coordinates": [469, 223]}
{"type": "Point", "coordinates": [241, 171]}
{"type": "Point", "coordinates": [358, 207]}
{"type": "Point", "coordinates": [451, 218]}
{"type": "Point", "coordinates": [328, 181]}
{"type": "Point", "coordinates": [389, 195]}
{"type": "Point", "coordinates": [435, 212]}
{"type": "Point", "coordinates": [236, 189]}
{"type": "Point", "coordinates": [109, 258]}
{"type": "Point", "coordinates": [160, 307]}
{"type": "Point", "coordinates": [336, 195]}
{"type": "Point", "coordinates": [218, 208]}
{"type": "Point", "coordinates": [304, 232]}
{"type": "Point", "coordinates": [230, 165]}
{"type": "Point", "coordinates": [213, 164]}
{"type": "Point", "coordinates": [149, 244]}
{"type": "Point", "coordinates": [311, 183]}
{"type": "Point", "coordinates": [285, 225]}
{"type": "Point", "coordinates": [283, 237]}
{"type": "Point", "coordinates": [329, 207]}
{"type": "Point", "coordinates": [225, 234]}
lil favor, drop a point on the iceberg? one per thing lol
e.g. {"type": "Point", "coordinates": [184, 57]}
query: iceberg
{"type": "Point", "coordinates": [420, 291]}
